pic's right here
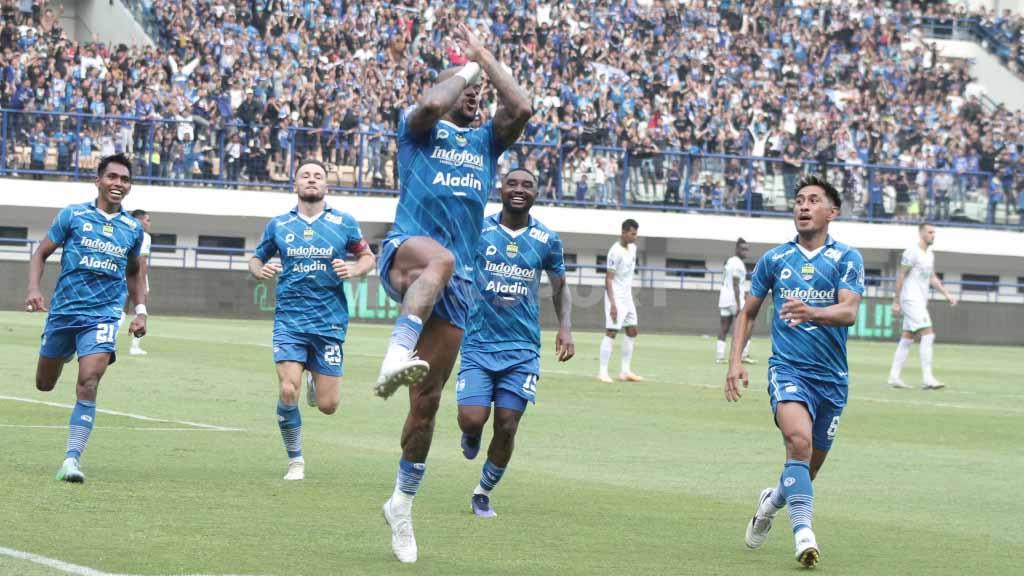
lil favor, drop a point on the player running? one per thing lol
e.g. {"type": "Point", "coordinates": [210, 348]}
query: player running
{"type": "Point", "coordinates": [311, 315]}
{"type": "Point", "coordinates": [446, 170]}
{"type": "Point", "coordinates": [501, 352]}
{"type": "Point", "coordinates": [619, 307]}
{"type": "Point", "coordinates": [816, 285]}
{"type": "Point", "coordinates": [730, 299]}
{"type": "Point", "coordinates": [100, 243]}
{"type": "Point", "coordinates": [916, 275]}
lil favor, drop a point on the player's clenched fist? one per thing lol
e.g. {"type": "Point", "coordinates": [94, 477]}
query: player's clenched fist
{"type": "Point", "coordinates": [34, 302]}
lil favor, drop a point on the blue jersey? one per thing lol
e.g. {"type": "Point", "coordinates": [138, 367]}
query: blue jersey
{"type": "Point", "coordinates": [812, 349]}
{"type": "Point", "coordinates": [509, 265]}
{"type": "Point", "coordinates": [310, 297]}
{"type": "Point", "coordinates": [445, 180]}
{"type": "Point", "coordinates": [96, 249]}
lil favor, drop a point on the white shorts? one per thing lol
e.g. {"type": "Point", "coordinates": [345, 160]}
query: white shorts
{"type": "Point", "coordinates": [915, 316]}
{"type": "Point", "coordinates": [626, 314]}
{"type": "Point", "coordinates": [727, 311]}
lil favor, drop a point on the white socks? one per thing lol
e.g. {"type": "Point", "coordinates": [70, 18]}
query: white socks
{"type": "Point", "coordinates": [606, 353]}
{"type": "Point", "coordinates": [926, 357]}
{"type": "Point", "coordinates": [136, 343]}
{"type": "Point", "coordinates": [902, 351]}
{"type": "Point", "coordinates": [746, 349]}
{"type": "Point", "coordinates": [481, 490]}
{"type": "Point", "coordinates": [627, 353]}
{"type": "Point", "coordinates": [720, 350]}
{"type": "Point", "coordinates": [401, 503]}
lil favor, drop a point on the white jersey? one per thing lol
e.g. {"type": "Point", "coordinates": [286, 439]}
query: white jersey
{"type": "Point", "coordinates": [622, 262]}
{"type": "Point", "coordinates": [147, 241]}
{"type": "Point", "coordinates": [734, 269]}
{"type": "Point", "coordinates": [922, 265]}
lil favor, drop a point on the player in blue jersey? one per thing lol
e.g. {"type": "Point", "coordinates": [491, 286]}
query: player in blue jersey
{"type": "Point", "coordinates": [816, 285]}
{"type": "Point", "coordinates": [100, 266]}
{"type": "Point", "coordinates": [311, 315]}
{"type": "Point", "coordinates": [501, 351]}
{"type": "Point", "coordinates": [446, 170]}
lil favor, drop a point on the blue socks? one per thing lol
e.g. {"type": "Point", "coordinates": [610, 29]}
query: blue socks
{"type": "Point", "coordinates": [290, 421]}
{"type": "Point", "coordinates": [410, 474]}
{"type": "Point", "coordinates": [79, 427]}
{"type": "Point", "coordinates": [406, 332]}
{"type": "Point", "coordinates": [490, 476]}
{"type": "Point", "coordinates": [798, 492]}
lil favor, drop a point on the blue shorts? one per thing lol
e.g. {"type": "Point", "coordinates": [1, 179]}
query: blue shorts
{"type": "Point", "coordinates": [824, 400]}
{"type": "Point", "coordinates": [507, 378]}
{"type": "Point", "coordinates": [64, 336]}
{"type": "Point", "coordinates": [320, 354]}
{"type": "Point", "coordinates": [456, 299]}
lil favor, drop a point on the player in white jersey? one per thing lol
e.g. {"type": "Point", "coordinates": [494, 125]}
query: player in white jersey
{"type": "Point", "coordinates": [147, 241]}
{"type": "Point", "coordinates": [731, 298]}
{"type": "Point", "coordinates": [913, 282]}
{"type": "Point", "coordinates": [619, 308]}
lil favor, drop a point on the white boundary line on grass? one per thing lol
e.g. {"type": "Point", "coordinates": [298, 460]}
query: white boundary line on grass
{"type": "Point", "coordinates": [65, 567]}
{"type": "Point", "coordinates": [130, 428]}
{"type": "Point", "coordinates": [198, 425]}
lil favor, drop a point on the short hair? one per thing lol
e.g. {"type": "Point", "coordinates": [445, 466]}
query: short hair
{"type": "Point", "coordinates": [114, 159]}
{"type": "Point", "coordinates": [629, 224]}
{"type": "Point", "coordinates": [740, 241]}
{"type": "Point", "coordinates": [314, 161]}
{"type": "Point", "coordinates": [520, 169]}
{"type": "Point", "coordinates": [922, 225]}
{"type": "Point", "coordinates": [139, 213]}
{"type": "Point", "coordinates": [830, 190]}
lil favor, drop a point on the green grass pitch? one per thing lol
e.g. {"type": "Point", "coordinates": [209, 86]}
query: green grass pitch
{"type": "Point", "coordinates": [653, 478]}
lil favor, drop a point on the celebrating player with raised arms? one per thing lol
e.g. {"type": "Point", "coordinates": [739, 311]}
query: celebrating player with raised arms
{"type": "Point", "coordinates": [816, 285]}
{"type": "Point", "coordinates": [311, 315]}
{"type": "Point", "coordinates": [446, 170]}
{"type": "Point", "coordinates": [501, 352]}
{"type": "Point", "coordinates": [100, 243]}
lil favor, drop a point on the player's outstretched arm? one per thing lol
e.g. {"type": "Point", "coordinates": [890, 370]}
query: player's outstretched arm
{"type": "Point", "coordinates": [514, 105]}
{"type": "Point", "coordinates": [741, 333]}
{"type": "Point", "coordinates": [843, 313]}
{"type": "Point", "coordinates": [562, 299]}
{"type": "Point", "coordinates": [438, 100]}
{"type": "Point", "coordinates": [34, 302]}
{"type": "Point", "coordinates": [137, 293]}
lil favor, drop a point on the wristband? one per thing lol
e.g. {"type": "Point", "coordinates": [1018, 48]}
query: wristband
{"type": "Point", "coordinates": [141, 309]}
{"type": "Point", "coordinates": [470, 73]}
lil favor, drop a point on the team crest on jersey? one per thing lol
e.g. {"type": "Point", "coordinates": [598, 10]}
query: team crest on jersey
{"type": "Point", "coordinates": [460, 140]}
{"type": "Point", "coordinates": [108, 229]}
{"type": "Point", "coordinates": [289, 238]}
{"type": "Point", "coordinates": [807, 271]}
{"type": "Point", "coordinates": [307, 233]}
{"type": "Point", "coordinates": [87, 227]}
{"type": "Point", "coordinates": [511, 250]}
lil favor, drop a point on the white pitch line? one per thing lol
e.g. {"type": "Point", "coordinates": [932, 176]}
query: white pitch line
{"type": "Point", "coordinates": [127, 415]}
{"type": "Point", "coordinates": [67, 567]}
{"type": "Point", "coordinates": [132, 428]}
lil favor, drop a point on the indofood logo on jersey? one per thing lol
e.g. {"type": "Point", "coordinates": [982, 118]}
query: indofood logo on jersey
{"type": "Point", "coordinates": [310, 252]}
{"type": "Point", "coordinates": [808, 295]}
{"type": "Point", "coordinates": [807, 271]}
{"type": "Point", "coordinates": [452, 181]}
{"type": "Point", "coordinates": [510, 270]}
{"type": "Point", "coordinates": [104, 246]}
{"type": "Point", "coordinates": [457, 158]}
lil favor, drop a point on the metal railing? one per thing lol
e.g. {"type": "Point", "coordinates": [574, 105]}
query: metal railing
{"type": "Point", "coordinates": [582, 274]}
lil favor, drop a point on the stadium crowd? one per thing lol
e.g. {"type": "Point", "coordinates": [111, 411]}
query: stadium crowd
{"type": "Point", "coordinates": [623, 91]}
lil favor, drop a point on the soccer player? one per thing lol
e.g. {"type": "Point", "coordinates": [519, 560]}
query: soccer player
{"type": "Point", "coordinates": [816, 285]}
{"type": "Point", "coordinates": [501, 352]}
{"type": "Point", "coordinates": [446, 170]}
{"type": "Point", "coordinates": [730, 299]}
{"type": "Point", "coordinates": [147, 242]}
{"type": "Point", "coordinates": [619, 308]}
{"type": "Point", "coordinates": [100, 243]}
{"type": "Point", "coordinates": [917, 273]}
{"type": "Point", "coordinates": [311, 315]}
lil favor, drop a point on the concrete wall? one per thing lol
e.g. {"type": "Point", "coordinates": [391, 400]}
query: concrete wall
{"type": "Point", "coordinates": [224, 293]}
{"type": "Point", "coordinates": [108, 20]}
{"type": "Point", "coordinates": [999, 83]}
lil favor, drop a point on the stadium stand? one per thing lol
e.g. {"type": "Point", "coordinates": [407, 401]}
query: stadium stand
{"type": "Point", "coordinates": [700, 106]}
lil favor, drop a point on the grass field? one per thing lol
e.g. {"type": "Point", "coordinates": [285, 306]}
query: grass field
{"type": "Point", "coordinates": [652, 478]}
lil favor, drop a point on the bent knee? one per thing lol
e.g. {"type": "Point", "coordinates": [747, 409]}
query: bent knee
{"type": "Point", "coordinates": [443, 261]}
{"type": "Point", "coordinates": [506, 427]}
{"type": "Point", "coordinates": [798, 445]}
{"type": "Point", "coordinates": [329, 407]}
{"type": "Point", "coordinates": [45, 383]}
